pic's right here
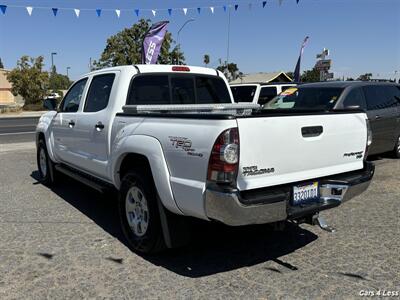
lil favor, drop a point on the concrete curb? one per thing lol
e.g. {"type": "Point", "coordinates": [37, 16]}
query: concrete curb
{"type": "Point", "coordinates": [27, 114]}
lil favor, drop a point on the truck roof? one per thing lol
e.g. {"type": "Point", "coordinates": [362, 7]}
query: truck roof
{"type": "Point", "coordinates": [159, 69]}
{"type": "Point", "coordinates": [344, 84]}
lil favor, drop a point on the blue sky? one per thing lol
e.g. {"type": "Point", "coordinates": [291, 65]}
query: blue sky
{"type": "Point", "coordinates": [362, 35]}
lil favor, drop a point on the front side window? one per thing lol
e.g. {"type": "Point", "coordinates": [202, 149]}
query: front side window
{"type": "Point", "coordinates": [149, 89]}
{"type": "Point", "coordinates": [267, 94]}
{"type": "Point", "coordinates": [73, 98]}
{"type": "Point", "coordinates": [244, 93]}
{"type": "Point", "coordinates": [99, 93]}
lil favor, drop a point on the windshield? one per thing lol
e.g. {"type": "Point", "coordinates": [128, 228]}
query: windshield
{"type": "Point", "coordinates": [315, 98]}
{"type": "Point", "coordinates": [244, 93]}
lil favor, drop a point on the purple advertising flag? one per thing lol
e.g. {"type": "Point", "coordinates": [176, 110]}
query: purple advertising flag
{"type": "Point", "coordinates": [296, 73]}
{"type": "Point", "coordinates": [152, 42]}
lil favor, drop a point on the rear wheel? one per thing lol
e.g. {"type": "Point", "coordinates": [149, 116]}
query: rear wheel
{"type": "Point", "coordinates": [139, 214]}
{"type": "Point", "coordinates": [396, 150]}
{"type": "Point", "coordinates": [44, 163]}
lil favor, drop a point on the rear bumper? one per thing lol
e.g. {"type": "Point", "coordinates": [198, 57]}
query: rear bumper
{"type": "Point", "coordinates": [268, 205]}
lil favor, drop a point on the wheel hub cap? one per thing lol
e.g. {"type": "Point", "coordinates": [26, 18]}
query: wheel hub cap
{"type": "Point", "coordinates": [137, 212]}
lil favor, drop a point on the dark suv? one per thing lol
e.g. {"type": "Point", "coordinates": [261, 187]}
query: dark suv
{"type": "Point", "coordinates": [381, 101]}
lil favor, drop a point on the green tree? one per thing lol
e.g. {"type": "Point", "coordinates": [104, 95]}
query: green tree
{"type": "Point", "coordinates": [310, 75]}
{"type": "Point", "coordinates": [290, 74]}
{"type": "Point", "coordinates": [206, 59]}
{"type": "Point", "coordinates": [124, 48]}
{"type": "Point", "coordinates": [230, 70]}
{"type": "Point", "coordinates": [1, 64]}
{"type": "Point", "coordinates": [29, 80]}
{"type": "Point", "coordinates": [58, 81]}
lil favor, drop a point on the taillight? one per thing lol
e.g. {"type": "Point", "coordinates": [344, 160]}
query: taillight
{"type": "Point", "coordinates": [180, 69]}
{"type": "Point", "coordinates": [369, 139]}
{"type": "Point", "coordinates": [224, 158]}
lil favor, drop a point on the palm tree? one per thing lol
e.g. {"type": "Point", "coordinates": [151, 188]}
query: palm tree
{"type": "Point", "coordinates": [206, 59]}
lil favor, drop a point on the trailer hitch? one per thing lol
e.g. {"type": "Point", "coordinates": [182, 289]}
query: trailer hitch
{"type": "Point", "coordinates": [321, 222]}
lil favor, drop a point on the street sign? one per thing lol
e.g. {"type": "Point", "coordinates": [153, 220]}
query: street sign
{"type": "Point", "coordinates": [323, 64]}
{"type": "Point", "coordinates": [329, 75]}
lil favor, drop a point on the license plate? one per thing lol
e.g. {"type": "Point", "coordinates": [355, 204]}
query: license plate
{"type": "Point", "coordinates": [305, 193]}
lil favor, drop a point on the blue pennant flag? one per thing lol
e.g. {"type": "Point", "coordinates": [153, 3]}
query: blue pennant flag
{"type": "Point", "coordinates": [264, 2]}
{"type": "Point", "coordinates": [224, 8]}
{"type": "Point", "coordinates": [236, 6]}
{"type": "Point", "coordinates": [297, 1]}
{"type": "Point", "coordinates": [137, 12]}
{"type": "Point", "coordinates": [55, 11]}
{"type": "Point", "coordinates": [3, 9]}
{"type": "Point", "coordinates": [198, 10]}
{"type": "Point", "coordinates": [169, 11]}
{"type": "Point", "coordinates": [98, 12]}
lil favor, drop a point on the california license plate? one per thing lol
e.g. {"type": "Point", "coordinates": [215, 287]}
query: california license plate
{"type": "Point", "coordinates": [305, 193]}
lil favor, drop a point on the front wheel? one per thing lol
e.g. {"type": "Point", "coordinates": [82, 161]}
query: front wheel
{"type": "Point", "coordinates": [139, 214]}
{"type": "Point", "coordinates": [44, 163]}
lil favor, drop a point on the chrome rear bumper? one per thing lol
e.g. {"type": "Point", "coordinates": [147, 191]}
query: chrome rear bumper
{"type": "Point", "coordinates": [233, 208]}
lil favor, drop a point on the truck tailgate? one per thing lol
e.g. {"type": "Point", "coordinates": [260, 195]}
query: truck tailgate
{"type": "Point", "coordinates": [283, 149]}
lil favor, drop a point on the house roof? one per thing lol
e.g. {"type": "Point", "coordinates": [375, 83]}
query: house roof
{"type": "Point", "coordinates": [261, 77]}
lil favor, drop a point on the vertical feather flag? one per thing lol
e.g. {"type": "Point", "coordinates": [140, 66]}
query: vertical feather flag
{"type": "Point", "coordinates": [137, 12]}
{"type": "Point", "coordinates": [170, 11]}
{"type": "Point", "coordinates": [29, 10]}
{"type": "Point", "coordinates": [118, 13]}
{"type": "Point", "coordinates": [152, 42]}
{"type": "Point", "coordinates": [55, 11]}
{"type": "Point", "coordinates": [98, 12]}
{"type": "Point", "coordinates": [77, 12]}
{"type": "Point", "coordinates": [153, 11]}
{"type": "Point", "coordinates": [184, 10]}
{"type": "Point", "coordinates": [199, 10]}
{"type": "Point", "coordinates": [296, 73]}
{"type": "Point", "coordinates": [236, 6]}
{"type": "Point", "coordinates": [3, 9]}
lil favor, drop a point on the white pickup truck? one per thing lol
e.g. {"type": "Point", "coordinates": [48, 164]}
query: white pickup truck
{"type": "Point", "coordinates": [172, 143]}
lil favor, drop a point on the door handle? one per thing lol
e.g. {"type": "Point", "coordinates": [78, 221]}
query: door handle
{"type": "Point", "coordinates": [312, 131]}
{"type": "Point", "coordinates": [71, 124]}
{"type": "Point", "coordinates": [99, 126]}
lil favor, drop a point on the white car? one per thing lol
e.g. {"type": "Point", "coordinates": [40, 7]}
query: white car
{"type": "Point", "coordinates": [172, 143]}
{"type": "Point", "coordinates": [258, 93]}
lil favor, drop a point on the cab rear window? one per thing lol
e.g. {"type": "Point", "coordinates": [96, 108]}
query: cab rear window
{"type": "Point", "coordinates": [177, 89]}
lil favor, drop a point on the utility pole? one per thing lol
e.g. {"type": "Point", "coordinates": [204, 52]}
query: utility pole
{"type": "Point", "coordinates": [52, 60]}
{"type": "Point", "coordinates": [229, 32]}
{"type": "Point", "coordinates": [177, 37]}
{"type": "Point", "coordinates": [67, 71]}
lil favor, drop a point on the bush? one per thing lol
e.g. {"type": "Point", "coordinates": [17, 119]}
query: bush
{"type": "Point", "coordinates": [33, 107]}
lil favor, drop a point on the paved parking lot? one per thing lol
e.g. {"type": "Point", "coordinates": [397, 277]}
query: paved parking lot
{"type": "Point", "coordinates": [65, 243]}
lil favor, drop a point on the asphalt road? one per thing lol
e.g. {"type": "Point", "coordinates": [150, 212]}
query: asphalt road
{"type": "Point", "coordinates": [17, 130]}
{"type": "Point", "coordinates": [65, 243]}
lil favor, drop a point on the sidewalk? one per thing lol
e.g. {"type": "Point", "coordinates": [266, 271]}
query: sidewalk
{"type": "Point", "coordinates": [22, 114]}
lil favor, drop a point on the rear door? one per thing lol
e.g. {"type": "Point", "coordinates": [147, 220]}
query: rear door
{"type": "Point", "coordinates": [382, 115]}
{"type": "Point", "coordinates": [283, 148]}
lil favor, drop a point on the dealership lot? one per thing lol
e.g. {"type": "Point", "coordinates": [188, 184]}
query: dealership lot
{"type": "Point", "coordinates": [65, 243]}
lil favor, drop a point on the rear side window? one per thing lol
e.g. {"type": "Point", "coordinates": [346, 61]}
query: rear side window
{"type": "Point", "coordinates": [71, 101]}
{"type": "Point", "coordinates": [243, 93]}
{"type": "Point", "coordinates": [99, 93]}
{"type": "Point", "coordinates": [149, 90]}
{"type": "Point", "coordinates": [267, 94]}
{"type": "Point", "coordinates": [211, 90]}
{"type": "Point", "coordinates": [380, 97]}
{"type": "Point", "coordinates": [177, 89]}
{"type": "Point", "coordinates": [355, 98]}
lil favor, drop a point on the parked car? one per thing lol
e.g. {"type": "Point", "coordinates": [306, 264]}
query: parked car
{"type": "Point", "coordinates": [381, 101]}
{"type": "Point", "coordinates": [260, 93]}
{"type": "Point", "coordinates": [168, 139]}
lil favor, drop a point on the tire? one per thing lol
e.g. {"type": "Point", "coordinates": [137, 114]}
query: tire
{"type": "Point", "coordinates": [396, 150]}
{"type": "Point", "coordinates": [139, 214]}
{"type": "Point", "coordinates": [45, 165]}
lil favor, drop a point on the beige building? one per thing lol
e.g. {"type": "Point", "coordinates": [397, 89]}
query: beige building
{"type": "Point", "coordinates": [6, 97]}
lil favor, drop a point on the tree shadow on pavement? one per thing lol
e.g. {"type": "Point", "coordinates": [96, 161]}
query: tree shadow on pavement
{"type": "Point", "coordinates": [214, 247]}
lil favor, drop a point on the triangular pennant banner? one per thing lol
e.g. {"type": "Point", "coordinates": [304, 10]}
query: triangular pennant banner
{"type": "Point", "coordinates": [264, 2]}
{"type": "Point", "coordinates": [236, 6]}
{"type": "Point", "coordinates": [170, 11]}
{"type": "Point", "coordinates": [224, 8]}
{"type": "Point", "coordinates": [77, 12]}
{"type": "Point", "coordinates": [118, 12]}
{"type": "Point", "coordinates": [280, 2]}
{"type": "Point", "coordinates": [29, 10]}
{"type": "Point", "coordinates": [98, 12]}
{"type": "Point", "coordinates": [137, 12]}
{"type": "Point", "coordinates": [55, 11]}
{"type": "Point", "coordinates": [250, 6]}
{"type": "Point", "coordinates": [212, 9]}
{"type": "Point", "coordinates": [153, 11]}
{"type": "Point", "coordinates": [297, 1]}
{"type": "Point", "coordinates": [184, 10]}
{"type": "Point", "coordinates": [199, 10]}
{"type": "Point", "coordinates": [3, 9]}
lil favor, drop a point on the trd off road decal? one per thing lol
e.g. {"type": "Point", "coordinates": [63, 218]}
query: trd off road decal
{"type": "Point", "coordinates": [358, 154]}
{"type": "Point", "coordinates": [184, 144]}
{"type": "Point", "coordinates": [253, 170]}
